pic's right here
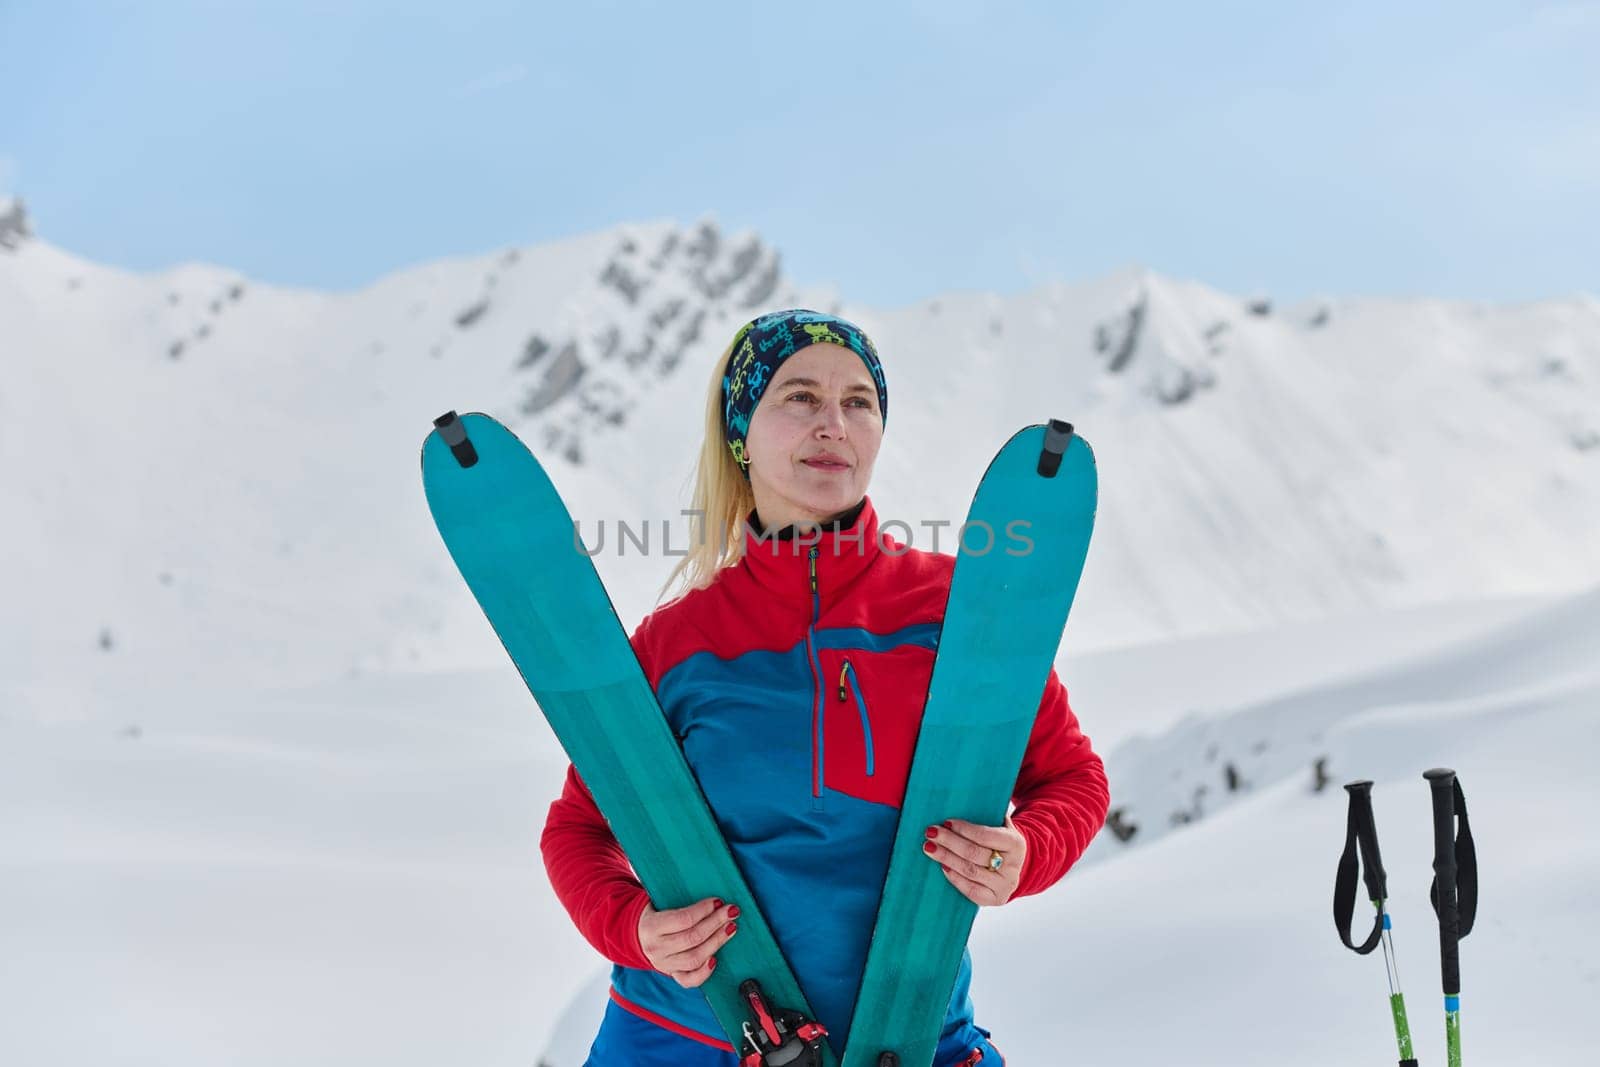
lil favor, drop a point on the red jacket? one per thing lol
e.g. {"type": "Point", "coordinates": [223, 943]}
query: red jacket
{"type": "Point", "coordinates": [798, 706]}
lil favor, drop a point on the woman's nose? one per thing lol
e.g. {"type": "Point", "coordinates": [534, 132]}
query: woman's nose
{"type": "Point", "coordinates": [833, 419]}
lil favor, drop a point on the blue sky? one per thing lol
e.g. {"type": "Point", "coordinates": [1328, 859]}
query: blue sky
{"type": "Point", "coordinates": [897, 150]}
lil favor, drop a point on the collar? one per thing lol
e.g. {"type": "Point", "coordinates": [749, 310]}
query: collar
{"type": "Point", "coordinates": [841, 522]}
{"type": "Point", "coordinates": [783, 562]}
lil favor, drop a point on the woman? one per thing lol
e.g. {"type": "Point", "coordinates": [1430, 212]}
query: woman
{"type": "Point", "coordinates": [793, 669]}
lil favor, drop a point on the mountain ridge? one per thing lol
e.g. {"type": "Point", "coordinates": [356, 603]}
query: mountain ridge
{"type": "Point", "coordinates": [229, 475]}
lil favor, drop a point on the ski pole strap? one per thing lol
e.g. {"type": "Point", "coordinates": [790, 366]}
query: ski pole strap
{"type": "Point", "coordinates": [1360, 836]}
{"type": "Point", "coordinates": [1466, 866]}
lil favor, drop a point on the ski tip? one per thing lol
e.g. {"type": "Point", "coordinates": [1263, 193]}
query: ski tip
{"type": "Point", "coordinates": [888, 1059]}
{"type": "Point", "coordinates": [1360, 785]}
{"type": "Point", "coordinates": [1057, 436]}
{"type": "Point", "coordinates": [1439, 776]}
{"type": "Point", "coordinates": [455, 435]}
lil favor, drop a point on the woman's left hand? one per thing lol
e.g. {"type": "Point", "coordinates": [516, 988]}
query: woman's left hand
{"type": "Point", "coordinates": [965, 849]}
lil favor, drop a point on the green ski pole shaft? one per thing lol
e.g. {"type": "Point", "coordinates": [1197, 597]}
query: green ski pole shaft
{"type": "Point", "coordinates": [1442, 782]}
{"type": "Point", "coordinates": [1397, 999]}
{"type": "Point", "coordinates": [1361, 839]}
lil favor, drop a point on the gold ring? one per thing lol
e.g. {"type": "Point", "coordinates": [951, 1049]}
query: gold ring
{"type": "Point", "coordinates": [996, 861]}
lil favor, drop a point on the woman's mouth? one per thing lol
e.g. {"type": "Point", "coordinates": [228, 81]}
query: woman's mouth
{"type": "Point", "coordinates": [826, 464]}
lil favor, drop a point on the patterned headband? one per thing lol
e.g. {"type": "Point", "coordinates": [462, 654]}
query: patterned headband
{"type": "Point", "coordinates": [762, 344]}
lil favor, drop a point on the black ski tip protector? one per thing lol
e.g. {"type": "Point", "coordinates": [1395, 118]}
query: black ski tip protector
{"type": "Point", "coordinates": [1056, 437]}
{"type": "Point", "coordinates": [455, 435]}
{"type": "Point", "coordinates": [888, 1059]}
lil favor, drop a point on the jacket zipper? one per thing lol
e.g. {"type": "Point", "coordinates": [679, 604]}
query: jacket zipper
{"type": "Point", "coordinates": [817, 706]}
{"type": "Point", "coordinates": [847, 674]}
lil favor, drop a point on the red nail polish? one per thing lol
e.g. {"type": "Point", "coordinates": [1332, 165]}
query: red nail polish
{"type": "Point", "coordinates": [731, 927]}
{"type": "Point", "coordinates": [932, 833]}
{"type": "Point", "coordinates": [947, 825]}
{"type": "Point", "coordinates": [733, 912]}
{"type": "Point", "coordinates": [713, 963]}
{"type": "Point", "coordinates": [929, 848]}
{"type": "Point", "coordinates": [719, 902]}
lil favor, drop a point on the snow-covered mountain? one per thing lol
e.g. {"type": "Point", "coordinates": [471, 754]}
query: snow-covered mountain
{"type": "Point", "coordinates": [206, 470]}
{"type": "Point", "coordinates": [13, 223]}
{"type": "Point", "coordinates": [254, 810]}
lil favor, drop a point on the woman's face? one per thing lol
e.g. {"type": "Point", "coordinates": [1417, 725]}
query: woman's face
{"type": "Point", "coordinates": [813, 437]}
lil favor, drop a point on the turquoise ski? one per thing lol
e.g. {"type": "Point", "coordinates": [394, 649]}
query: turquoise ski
{"type": "Point", "coordinates": [1002, 626]}
{"type": "Point", "coordinates": [513, 540]}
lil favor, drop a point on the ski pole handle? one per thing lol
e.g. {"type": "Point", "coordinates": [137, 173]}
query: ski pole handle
{"type": "Point", "coordinates": [1360, 852]}
{"type": "Point", "coordinates": [1442, 781]}
{"type": "Point", "coordinates": [1366, 828]}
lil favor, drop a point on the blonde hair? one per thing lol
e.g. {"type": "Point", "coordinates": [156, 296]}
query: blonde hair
{"type": "Point", "coordinates": [722, 496]}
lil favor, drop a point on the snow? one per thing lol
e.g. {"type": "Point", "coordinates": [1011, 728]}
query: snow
{"type": "Point", "coordinates": [1210, 945]}
{"type": "Point", "coordinates": [269, 791]}
{"type": "Point", "coordinates": [350, 871]}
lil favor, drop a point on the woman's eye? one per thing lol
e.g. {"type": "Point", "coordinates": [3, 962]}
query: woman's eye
{"type": "Point", "coordinates": [810, 398]}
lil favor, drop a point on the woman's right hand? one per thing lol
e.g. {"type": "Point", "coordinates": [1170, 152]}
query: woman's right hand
{"type": "Point", "coordinates": [682, 942]}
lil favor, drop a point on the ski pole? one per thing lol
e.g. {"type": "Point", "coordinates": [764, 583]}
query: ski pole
{"type": "Point", "coordinates": [1454, 893]}
{"type": "Point", "coordinates": [1361, 834]}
